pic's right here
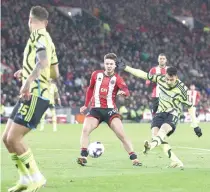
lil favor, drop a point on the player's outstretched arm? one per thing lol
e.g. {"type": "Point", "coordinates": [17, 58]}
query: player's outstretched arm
{"type": "Point", "coordinates": [192, 111]}
{"type": "Point", "coordinates": [136, 72]}
{"type": "Point", "coordinates": [194, 124]}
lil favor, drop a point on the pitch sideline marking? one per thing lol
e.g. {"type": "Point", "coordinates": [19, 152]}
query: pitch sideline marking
{"type": "Point", "coordinates": [192, 148]}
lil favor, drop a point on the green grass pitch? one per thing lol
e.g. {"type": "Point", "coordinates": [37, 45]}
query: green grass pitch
{"type": "Point", "coordinates": [56, 155]}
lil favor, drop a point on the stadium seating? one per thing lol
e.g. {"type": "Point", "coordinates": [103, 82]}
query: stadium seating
{"type": "Point", "coordinates": [137, 33]}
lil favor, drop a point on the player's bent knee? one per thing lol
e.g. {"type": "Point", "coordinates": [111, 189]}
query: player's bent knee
{"type": "Point", "coordinates": [90, 124]}
{"type": "Point", "coordinates": [4, 138]}
{"type": "Point", "coordinates": [5, 133]}
{"type": "Point", "coordinates": [87, 129]}
{"type": "Point", "coordinates": [11, 141]}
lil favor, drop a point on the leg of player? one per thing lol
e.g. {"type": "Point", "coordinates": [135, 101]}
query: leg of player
{"type": "Point", "coordinates": [27, 114]}
{"type": "Point", "coordinates": [54, 121]}
{"type": "Point", "coordinates": [42, 122]}
{"type": "Point", "coordinates": [157, 140]}
{"type": "Point", "coordinates": [5, 134]}
{"type": "Point", "coordinates": [23, 153]}
{"type": "Point", "coordinates": [117, 126]}
{"type": "Point", "coordinates": [24, 177]}
{"type": "Point", "coordinates": [90, 123]}
{"type": "Point", "coordinates": [154, 131]}
{"type": "Point", "coordinates": [175, 162]}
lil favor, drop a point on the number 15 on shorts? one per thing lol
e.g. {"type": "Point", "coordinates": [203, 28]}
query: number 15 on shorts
{"type": "Point", "coordinates": [23, 110]}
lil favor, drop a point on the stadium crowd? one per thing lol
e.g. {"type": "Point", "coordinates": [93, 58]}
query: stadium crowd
{"type": "Point", "coordinates": [138, 33]}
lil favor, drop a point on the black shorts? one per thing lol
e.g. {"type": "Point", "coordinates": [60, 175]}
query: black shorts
{"type": "Point", "coordinates": [15, 110]}
{"type": "Point", "coordinates": [29, 113]}
{"type": "Point", "coordinates": [160, 118]}
{"type": "Point", "coordinates": [104, 114]}
{"type": "Point", "coordinates": [155, 102]}
{"type": "Point", "coordinates": [51, 106]}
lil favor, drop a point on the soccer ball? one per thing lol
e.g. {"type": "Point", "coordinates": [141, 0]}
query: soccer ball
{"type": "Point", "coordinates": [95, 149]}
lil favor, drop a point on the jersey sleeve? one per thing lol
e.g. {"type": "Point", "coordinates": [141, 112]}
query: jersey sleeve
{"type": "Point", "coordinates": [154, 78]}
{"type": "Point", "coordinates": [184, 97]}
{"type": "Point", "coordinates": [40, 43]}
{"type": "Point", "coordinates": [152, 72]}
{"type": "Point", "coordinates": [90, 89]}
{"type": "Point", "coordinates": [122, 85]}
{"type": "Point", "coordinates": [93, 79]}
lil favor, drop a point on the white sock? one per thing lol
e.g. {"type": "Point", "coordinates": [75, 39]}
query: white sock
{"type": "Point", "coordinates": [25, 179]}
{"type": "Point", "coordinates": [169, 153]}
{"type": "Point", "coordinates": [37, 177]}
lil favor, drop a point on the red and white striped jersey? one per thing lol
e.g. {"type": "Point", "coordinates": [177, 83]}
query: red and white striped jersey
{"type": "Point", "coordinates": [103, 89]}
{"type": "Point", "coordinates": [155, 87]}
{"type": "Point", "coordinates": [194, 96]}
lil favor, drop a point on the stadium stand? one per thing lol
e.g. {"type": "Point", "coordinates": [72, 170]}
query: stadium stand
{"type": "Point", "coordinates": [137, 33]}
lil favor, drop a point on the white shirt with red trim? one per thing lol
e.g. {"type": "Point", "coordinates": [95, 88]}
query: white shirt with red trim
{"type": "Point", "coordinates": [103, 89]}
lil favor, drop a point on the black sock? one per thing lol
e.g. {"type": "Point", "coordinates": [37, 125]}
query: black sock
{"type": "Point", "coordinates": [84, 152]}
{"type": "Point", "coordinates": [133, 156]}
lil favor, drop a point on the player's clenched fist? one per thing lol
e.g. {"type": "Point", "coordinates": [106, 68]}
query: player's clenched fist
{"type": "Point", "coordinates": [121, 63]}
{"type": "Point", "coordinates": [82, 109]}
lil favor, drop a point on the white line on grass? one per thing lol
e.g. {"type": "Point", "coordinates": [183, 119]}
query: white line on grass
{"type": "Point", "coordinates": [43, 149]}
{"type": "Point", "coordinates": [192, 148]}
{"type": "Point", "coordinates": [200, 153]}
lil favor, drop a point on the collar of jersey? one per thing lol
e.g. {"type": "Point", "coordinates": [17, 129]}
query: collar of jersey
{"type": "Point", "coordinates": [177, 82]}
{"type": "Point", "coordinates": [42, 30]}
{"type": "Point", "coordinates": [108, 75]}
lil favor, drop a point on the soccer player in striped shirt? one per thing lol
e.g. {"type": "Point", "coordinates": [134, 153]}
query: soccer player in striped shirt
{"type": "Point", "coordinates": [173, 93]}
{"type": "Point", "coordinates": [104, 86]}
{"type": "Point", "coordinates": [157, 70]}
